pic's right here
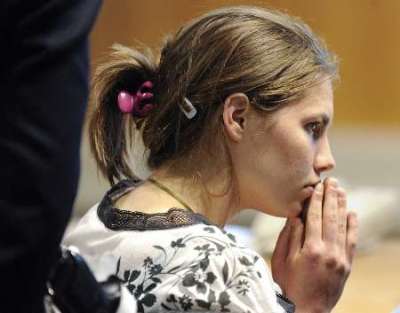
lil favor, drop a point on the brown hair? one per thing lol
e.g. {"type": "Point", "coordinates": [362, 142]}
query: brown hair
{"type": "Point", "coordinates": [269, 56]}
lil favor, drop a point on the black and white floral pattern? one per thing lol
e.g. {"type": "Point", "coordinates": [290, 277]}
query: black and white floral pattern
{"type": "Point", "coordinates": [170, 266]}
{"type": "Point", "coordinates": [198, 283]}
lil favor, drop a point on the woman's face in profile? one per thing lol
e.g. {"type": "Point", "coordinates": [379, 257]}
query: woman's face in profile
{"type": "Point", "coordinates": [280, 165]}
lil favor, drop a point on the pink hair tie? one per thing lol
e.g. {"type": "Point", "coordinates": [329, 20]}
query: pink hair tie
{"type": "Point", "coordinates": [131, 103]}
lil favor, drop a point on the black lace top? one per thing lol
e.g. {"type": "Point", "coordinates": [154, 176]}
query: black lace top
{"type": "Point", "coordinates": [118, 219]}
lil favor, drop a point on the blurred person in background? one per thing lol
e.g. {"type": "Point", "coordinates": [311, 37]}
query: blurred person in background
{"type": "Point", "coordinates": [44, 70]}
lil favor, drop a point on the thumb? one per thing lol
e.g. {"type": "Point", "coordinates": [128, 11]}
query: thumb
{"type": "Point", "coordinates": [282, 245]}
{"type": "Point", "coordinates": [296, 237]}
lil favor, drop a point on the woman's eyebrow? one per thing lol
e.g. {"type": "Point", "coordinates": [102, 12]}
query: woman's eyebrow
{"type": "Point", "coordinates": [324, 117]}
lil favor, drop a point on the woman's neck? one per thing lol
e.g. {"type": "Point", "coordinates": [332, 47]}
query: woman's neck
{"type": "Point", "coordinates": [208, 197]}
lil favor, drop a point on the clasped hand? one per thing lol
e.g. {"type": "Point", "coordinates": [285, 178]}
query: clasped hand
{"type": "Point", "coordinates": [312, 260]}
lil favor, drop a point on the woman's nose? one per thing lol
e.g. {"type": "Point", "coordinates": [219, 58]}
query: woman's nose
{"type": "Point", "coordinates": [324, 160]}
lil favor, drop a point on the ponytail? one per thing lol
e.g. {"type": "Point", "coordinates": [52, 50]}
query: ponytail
{"type": "Point", "coordinates": [109, 128]}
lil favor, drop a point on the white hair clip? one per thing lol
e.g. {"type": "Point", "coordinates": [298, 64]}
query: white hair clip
{"type": "Point", "coordinates": [188, 108]}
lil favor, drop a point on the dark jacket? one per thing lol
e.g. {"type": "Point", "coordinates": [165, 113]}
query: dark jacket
{"type": "Point", "coordinates": [43, 92]}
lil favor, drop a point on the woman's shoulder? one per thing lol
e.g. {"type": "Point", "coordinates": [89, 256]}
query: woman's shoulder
{"type": "Point", "coordinates": [199, 268]}
{"type": "Point", "coordinates": [176, 261]}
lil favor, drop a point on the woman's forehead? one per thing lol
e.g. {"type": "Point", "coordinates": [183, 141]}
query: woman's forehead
{"type": "Point", "coordinates": [317, 100]}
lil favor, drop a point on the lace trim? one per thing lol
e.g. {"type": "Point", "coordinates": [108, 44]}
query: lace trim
{"type": "Point", "coordinates": [117, 219]}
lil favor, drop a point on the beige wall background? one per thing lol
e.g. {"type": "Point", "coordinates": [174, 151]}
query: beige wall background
{"type": "Point", "coordinates": [363, 33]}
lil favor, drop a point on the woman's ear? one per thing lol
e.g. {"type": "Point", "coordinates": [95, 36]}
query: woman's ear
{"type": "Point", "coordinates": [235, 115]}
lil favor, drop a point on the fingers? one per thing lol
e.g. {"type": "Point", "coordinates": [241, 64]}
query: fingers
{"type": "Point", "coordinates": [314, 215]}
{"type": "Point", "coordinates": [342, 219]}
{"type": "Point", "coordinates": [330, 211]}
{"type": "Point", "coordinates": [296, 236]}
{"type": "Point", "coordinates": [352, 235]}
{"type": "Point", "coordinates": [282, 244]}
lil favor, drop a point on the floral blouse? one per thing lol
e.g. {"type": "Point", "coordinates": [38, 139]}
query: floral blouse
{"type": "Point", "coordinates": [177, 261]}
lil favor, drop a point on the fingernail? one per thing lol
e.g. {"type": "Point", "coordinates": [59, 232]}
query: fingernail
{"type": "Point", "coordinates": [341, 192]}
{"type": "Point", "coordinates": [318, 187]}
{"type": "Point", "coordinates": [333, 182]}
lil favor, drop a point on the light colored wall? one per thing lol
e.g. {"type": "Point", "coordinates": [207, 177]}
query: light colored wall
{"type": "Point", "coordinates": [364, 157]}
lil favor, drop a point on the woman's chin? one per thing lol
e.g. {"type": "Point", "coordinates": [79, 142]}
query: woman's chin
{"type": "Point", "coordinates": [295, 210]}
{"type": "Point", "coordinates": [290, 210]}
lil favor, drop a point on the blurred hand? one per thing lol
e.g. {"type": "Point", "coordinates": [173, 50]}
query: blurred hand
{"type": "Point", "coordinates": [312, 261]}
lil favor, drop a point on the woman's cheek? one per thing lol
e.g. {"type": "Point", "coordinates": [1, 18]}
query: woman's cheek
{"type": "Point", "coordinates": [302, 160]}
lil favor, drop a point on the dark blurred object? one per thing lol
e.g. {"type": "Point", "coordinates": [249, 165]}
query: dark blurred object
{"type": "Point", "coordinates": [74, 289]}
{"type": "Point", "coordinates": [44, 69]}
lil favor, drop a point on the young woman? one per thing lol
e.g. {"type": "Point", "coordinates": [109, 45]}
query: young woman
{"type": "Point", "coordinates": [233, 115]}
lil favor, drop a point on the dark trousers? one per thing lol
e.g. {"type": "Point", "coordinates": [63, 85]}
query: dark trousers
{"type": "Point", "coordinates": [43, 93]}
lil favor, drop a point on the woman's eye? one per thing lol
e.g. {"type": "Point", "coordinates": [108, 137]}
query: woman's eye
{"type": "Point", "coordinates": [315, 129]}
